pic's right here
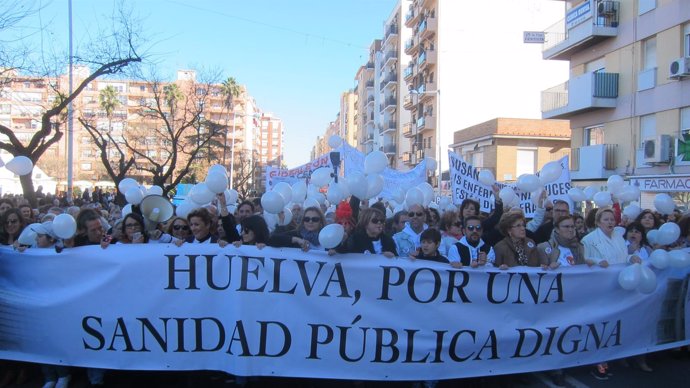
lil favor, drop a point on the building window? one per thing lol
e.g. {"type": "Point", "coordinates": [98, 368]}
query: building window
{"type": "Point", "coordinates": [647, 127]}
{"type": "Point", "coordinates": [526, 161]}
{"type": "Point", "coordinates": [649, 53]}
{"type": "Point", "coordinates": [686, 40]}
{"type": "Point", "coordinates": [142, 88]}
{"type": "Point", "coordinates": [86, 166]}
{"type": "Point", "coordinates": [594, 135]}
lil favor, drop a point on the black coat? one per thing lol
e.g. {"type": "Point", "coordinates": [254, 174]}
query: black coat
{"type": "Point", "coordinates": [360, 242]}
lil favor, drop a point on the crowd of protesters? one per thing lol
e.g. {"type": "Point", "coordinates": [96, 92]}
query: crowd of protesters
{"type": "Point", "coordinates": [556, 237]}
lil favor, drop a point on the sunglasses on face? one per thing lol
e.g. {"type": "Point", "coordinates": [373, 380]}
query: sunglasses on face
{"type": "Point", "coordinates": [312, 219]}
{"type": "Point", "coordinates": [376, 221]}
{"type": "Point", "coordinates": [180, 227]}
{"type": "Point", "coordinates": [472, 228]}
{"type": "Point", "coordinates": [413, 214]}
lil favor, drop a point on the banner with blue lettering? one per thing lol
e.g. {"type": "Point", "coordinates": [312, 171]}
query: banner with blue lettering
{"type": "Point", "coordinates": [285, 312]}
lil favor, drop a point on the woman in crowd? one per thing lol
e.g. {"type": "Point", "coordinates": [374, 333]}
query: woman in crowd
{"type": "Point", "coordinates": [516, 249]}
{"type": "Point", "coordinates": [178, 227]}
{"type": "Point", "coordinates": [254, 232]}
{"type": "Point", "coordinates": [580, 228]}
{"type": "Point", "coordinates": [306, 236]}
{"type": "Point", "coordinates": [636, 238]}
{"type": "Point", "coordinates": [200, 224]}
{"type": "Point", "coordinates": [563, 248]}
{"type": "Point", "coordinates": [368, 236]}
{"type": "Point", "coordinates": [133, 230]}
{"type": "Point", "coordinates": [470, 207]}
{"type": "Point", "coordinates": [649, 220]}
{"type": "Point", "coordinates": [451, 231]}
{"type": "Point", "coordinates": [433, 218]}
{"type": "Point", "coordinates": [12, 223]}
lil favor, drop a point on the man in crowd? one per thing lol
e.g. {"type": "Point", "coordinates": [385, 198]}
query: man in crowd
{"type": "Point", "coordinates": [471, 249]}
{"type": "Point", "coordinates": [559, 208]}
{"type": "Point", "coordinates": [408, 240]}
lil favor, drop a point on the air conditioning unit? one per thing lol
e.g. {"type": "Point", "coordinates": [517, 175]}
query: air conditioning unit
{"type": "Point", "coordinates": [679, 68]}
{"type": "Point", "coordinates": [657, 149]}
{"type": "Point", "coordinates": [606, 8]}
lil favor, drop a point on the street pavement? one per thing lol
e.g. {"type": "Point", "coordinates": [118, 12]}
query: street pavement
{"type": "Point", "coordinates": [671, 369]}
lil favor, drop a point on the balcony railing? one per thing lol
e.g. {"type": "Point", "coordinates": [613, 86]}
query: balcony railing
{"type": "Point", "coordinates": [409, 71]}
{"type": "Point", "coordinates": [370, 65]}
{"type": "Point", "coordinates": [419, 154]}
{"type": "Point", "coordinates": [585, 92]}
{"type": "Point", "coordinates": [392, 30]}
{"type": "Point", "coordinates": [390, 56]}
{"type": "Point", "coordinates": [408, 101]}
{"type": "Point", "coordinates": [370, 84]}
{"type": "Point", "coordinates": [388, 148]}
{"type": "Point", "coordinates": [407, 130]}
{"type": "Point", "coordinates": [409, 44]}
{"type": "Point", "coordinates": [390, 103]}
{"type": "Point", "coordinates": [407, 157]}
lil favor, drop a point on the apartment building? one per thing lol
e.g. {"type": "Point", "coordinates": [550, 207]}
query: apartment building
{"type": "Point", "coordinates": [366, 101]}
{"type": "Point", "coordinates": [510, 147]}
{"type": "Point", "coordinates": [270, 146]}
{"type": "Point", "coordinates": [24, 100]}
{"type": "Point", "coordinates": [628, 93]}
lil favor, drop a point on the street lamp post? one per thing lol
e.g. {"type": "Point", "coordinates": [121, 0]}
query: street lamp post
{"type": "Point", "coordinates": [437, 121]}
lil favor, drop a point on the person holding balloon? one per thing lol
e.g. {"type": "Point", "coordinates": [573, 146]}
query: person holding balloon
{"type": "Point", "coordinates": [368, 236]}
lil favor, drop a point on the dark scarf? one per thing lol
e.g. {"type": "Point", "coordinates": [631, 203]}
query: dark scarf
{"type": "Point", "coordinates": [572, 243]}
{"type": "Point", "coordinates": [312, 237]}
{"type": "Point", "coordinates": [520, 250]}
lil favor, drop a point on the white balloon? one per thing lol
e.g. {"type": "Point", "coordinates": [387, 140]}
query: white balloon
{"type": "Point", "coordinates": [200, 194]}
{"type": "Point", "coordinates": [614, 184]}
{"type": "Point", "coordinates": [134, 195]}
{"type": "Point", "coordinates": [431, 163]}
{"type": "Point", "coordinates": [299, 191]}
{"type": "Point", "coordinates": [358, 185]}
{"type": "Point", "coordinates": [287, 216]}
{"type": "Point", "coordinates": [344, 186]}
{"type": "Point", "coordinates": [231, 196]}
{"type": "Point", "coordinates": [216, 181]}
{"type": "Point", "coordinates": [398, 194]}
{"type": "Point", "coordinates": [590, 191]}
{"type": "Point", "coordinates": [664, 203]}
{"type": "Point", "coordinates": [659, 258]}
{"type": "Point", "coordinates": [679, 258]}
{"type": "Point", "coordinates": [414, 196]}
{"type": "Point", "coordinates": [507, 195]}
{"type": "Point", "coordinates": [668, 233]}
{"type": "Point", "coordinates": [486, 177]}
{"type": "Point", "coordinates": [127, 209]}
{"type": "Point", "coordinates": [185, 208]}
{"type": "Point", "coordinates": [515, 202]}
{"type": "Point", "coordinates": [375, 162]}
{"type": "Point", "coordinates": [28, 236]}
{"type": "Point", "coordinates": [428, 193]}
{"type": "Point", "coordinates": [217, 168]}
{"type": "Point", "coordinates": [444, 202]}
{"type": "Point", "coordinates": [647, 280]}
{"type": "Point", "coordinates": [154, 190]}
{"type": "Point", "coordinates": [285, 191]}
{"type": "Point", "coordinates": [335, 194]}
{"type": "Point", "coordinates": [126, 184]}
{"type": "Point", "coordinates": [602, 198]}
{"type": "Point", "coordinates": [632, 211]}
{"type": "Point", "coordinates": [311, 202]}
{"type": "Point", "coordinates": [331, 235]}
{"type": "Point", "coordinates": [321, 176]}
{"type": "Point", "coordinates": [20, 165]}
{"type": "Point", "coordinates": [551, 172]}
{"type": "Point", "coordinates": [374, 185]}
{"type": "Point", "coordinates": [335, 141]}
{"type": "Point", "coordinates": [528, 183]}
{"type": "Point", "coordinates": [576, 195]}
{"type": "Point", "coordinates": [653, 237]}
{"type": "Point", "coordinates": [628, 193]}
{"type": "Point", "coordinates": [64, 226]}
{"type": "Point", "coordinates": [389, 213]}
{"type": "Point", "coordinates": [272, 202]}
{"type": "Point", "coordinates": [619, 230]}
{"type": "Point", "coordinates": [629, 277]}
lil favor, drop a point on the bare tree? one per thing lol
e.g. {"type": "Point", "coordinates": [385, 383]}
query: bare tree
{"type": "Point", "coordinates": [246, 168]}
{"type": "Point", "coordinates": [110, 53]}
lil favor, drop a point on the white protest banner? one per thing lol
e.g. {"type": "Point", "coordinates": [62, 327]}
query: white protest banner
{"type": "Point", "coordinates": [354, 163]}
{"type": "Point", "coordinates": [290, 176]}
{"type": "Point", "coordinates": [556, 190]}
{"type": "Point", "coordinates": [274, 312]}
{"type": "Point", "coordinates": [464, 183]}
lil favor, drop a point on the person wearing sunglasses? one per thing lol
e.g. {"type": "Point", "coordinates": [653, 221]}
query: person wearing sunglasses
{"type": "Point", "coordinates": [516, 249]}
{"type": "Point", "coordinates": [306, 236]}
{"type": "Point", "coordinates": [178, 227]}
{"type": "Point", "coordinates": [368, 236]}
{"type": "Point", "coordinates": [408, 240]}
{"type": "Point", "coordinates": [254, 232]}
{"type": "Point", "coordinates": [471, 249]}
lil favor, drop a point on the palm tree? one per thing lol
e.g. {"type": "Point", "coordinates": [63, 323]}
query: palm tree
{"type": "Point", "coordinates": [108, 100]}
{"type": "Point", "coordinates": [229, 89]}
{"type": "Point", "coordinates": [172, 95]}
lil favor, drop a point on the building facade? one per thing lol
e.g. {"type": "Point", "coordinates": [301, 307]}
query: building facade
{"type": "Point", "coordinates": [628, 93]}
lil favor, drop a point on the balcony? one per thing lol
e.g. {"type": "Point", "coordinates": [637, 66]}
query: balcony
{"type": "Point", "coordinates": [427, 28]}
{"type": "Point", "coordinates": [412, 18]}
{"type": "Point", "coordinates": [407, 130]}
{"type": "Point", "coordinates": [426, 58]}
{"type": "Point", "coordinates": [370, 100]}
{"type": "Point", "coordinates": [389, 148]}
{"type": "Point", "coordinates": [390, 104]}
{"type": "Point", "coordinates": [582, 27]}
{"type": "Point", "coordinates": [370, 65]}
{"type": "Point", "coordinates": [593, 162]}
{"type": "Point", "coordinates": [408, 157]}
{"type": "Point", "coordinates": [408, 72]}
{"type": "Point", "coordinates": [426, 91]}
{"type": "Point", "coordinates": [370, 84]}
{"type": "Point", "coordinates": [369, 138]}
{"type": "Point", "coordinates": [390, 126]}
{"type": "Point", "coordinates": [581, 94]}
{"type": "Point", "coordinates": [419, 155]}
{"type": "Point", "coordinates": [426, 123]}
{"type": "Point", "coordinates": [390, 81]}
{"type": "Point", "coordinates": [391, 33]}
{"type": "Point", "coordinates": [370, 118]}
{"type": "Point", "coordinates": [408, 102]}
{"type": "Point", "coordinates": [390, 58]}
